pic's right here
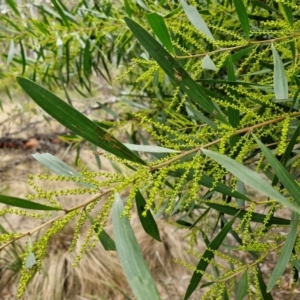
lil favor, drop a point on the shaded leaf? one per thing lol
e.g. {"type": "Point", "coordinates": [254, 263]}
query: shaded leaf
{"type": "Point", "coordinates": [174, 70]}
{"type": "Point", "coordinates": [23, 203]}
{"type": "Point", "coordinates": [206, 258]}
{"type": "Point", "coordinates": [132, 261]}
{"type": "Point", "coordinates": [243, 16]}
{"type": "Point", "coordinates": [242, 286]}
{"type": "Point", "coordinates": [61, 13]}
{"type": "Point", "coordinates": [255, 217]}
{"type": "Point", "coordinates": [262, 285]}
{"type": "Point", "coordinates": [147, 221]}
{"type": "Point", "coordinates": [107, 242]}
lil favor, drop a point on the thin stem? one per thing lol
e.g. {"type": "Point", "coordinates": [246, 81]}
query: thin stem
{"type": "Point", "coordinates": [237, 47]}
{"type": "Point", "coordinates": [236, 132]}
{"type": "Point", "coordinates": [66, 211]}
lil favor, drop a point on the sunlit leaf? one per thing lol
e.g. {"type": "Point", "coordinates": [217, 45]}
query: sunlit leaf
{"type": "Point", "coordinates": [284, 176]}
{"type": "Point", "coordinates": [150, 148]}
{"type": "Point", "coordinates": [250, 177]}
{"type": "Point", "coordinates": [131, 257]}
{"type": "Point", "coordinates": [13, 6]}
{"type": "Point", "coordinates": [280, 80]}
{"type": "Point", "coordinates": [128, 8]}
{"type": "Point", "coordinates": [286, 252]}
{"type": "Point", "coordinates": [196, 19]}
{"type": "Point", "coordinates": [208, 64]}
{"type": "Point", "coordinates": [76, 121]}
{"type": "Point", "coordinates": [30, 259]}
{"type": "Point", "coordinates": [57, 166]}
{"type": "Point", "coordinates": [61, 12]}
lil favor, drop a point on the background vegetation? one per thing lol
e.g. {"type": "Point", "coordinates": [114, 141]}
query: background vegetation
{"type": "Point", "coordinates": [209, 109]}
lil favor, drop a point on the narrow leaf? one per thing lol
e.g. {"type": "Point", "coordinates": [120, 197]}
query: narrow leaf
{"type": "Point", "coordinates": [243, 16]}
{"type": "Point", "coordinates": [61, 13]}
{"type": "Point", "coordinates": [128, 8]}
{"type": "Point", "coordinates": [13, 6]}
{"type": "Point", "coordinates": [174, 70]}
{"type": "Point", "coordinates": [286, 252]}
{"type": "Point", "coordinates": [242, 287]}
{"type": "Point", "coordinates": [250, 177]}
{"type": "Point", "coordinates": [280, 81]}
{"type": "Point", "coordinates": [131, 257]}
{"type": "Point", "coordinates": [208, 64]}
{"type": "Point", "coordinates": [255, 217]}
{"type": "Point", "coordinates": [23, 203]}
{"type": "Point", "coordinates": [262, 285]}
{"type": "Point", "coordinates": [57, 166]}
{"type": "Point", "coordinates": [284, 176]}
{"type": "Point", "coordinates": [75, 121]}
{"type": "Point", "coordinates": [147, 221]}
{"type": "Point", "coordinates": [30, 259]}
{"type": "Point", "coordinates": [150, 148]}
{"type": "Point", "coordinates": [104, 238]}
{"type": "Point", "coordinates": [160, 29]}
{"type": "Point", "coordinates": [207, 257]}
{"type": "Point", "coordinates": [11, 51]}
{"type": "Point", "coordinates": [23, 57]}
{"type": "Point", "coordinates": [196, 19]}
{"type": "Point", "coordinates": [289, 13]}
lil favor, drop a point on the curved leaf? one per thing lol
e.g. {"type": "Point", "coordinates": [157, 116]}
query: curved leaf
{"type": "Point", "coordinates": [76, 121]}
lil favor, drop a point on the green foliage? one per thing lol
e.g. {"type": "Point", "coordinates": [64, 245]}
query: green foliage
{"type": "Point", "coordinates": [220, 85]}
